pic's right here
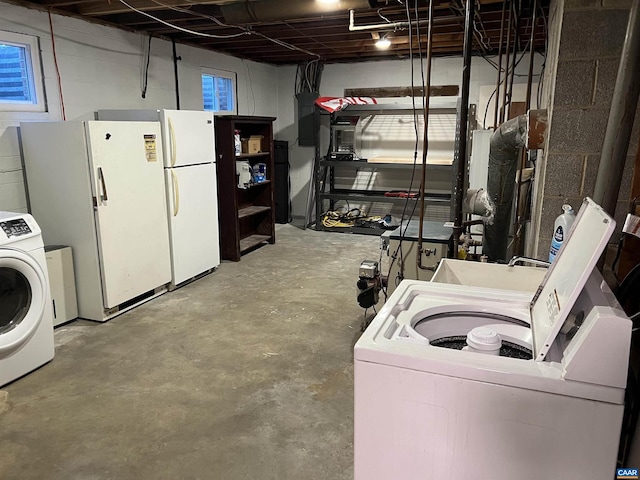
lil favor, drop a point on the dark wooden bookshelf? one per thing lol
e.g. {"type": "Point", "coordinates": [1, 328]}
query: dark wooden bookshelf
{"type": "Point", "coordinates": [246, 214]}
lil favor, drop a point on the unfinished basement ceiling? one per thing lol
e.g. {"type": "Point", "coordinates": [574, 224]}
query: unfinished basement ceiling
{"type": "Point", "coordinates": [284, 32]}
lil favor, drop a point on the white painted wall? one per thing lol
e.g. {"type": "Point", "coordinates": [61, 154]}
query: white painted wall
{"type": "Point", "coordinates": [391, 73]}
{"type": "Point", "coordinates": [101, 68]}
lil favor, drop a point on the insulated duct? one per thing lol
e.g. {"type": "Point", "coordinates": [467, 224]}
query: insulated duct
{"type": "Point", "coordinates": [242, 13]}
{"type": "Point", "coordinates": [505, 143]}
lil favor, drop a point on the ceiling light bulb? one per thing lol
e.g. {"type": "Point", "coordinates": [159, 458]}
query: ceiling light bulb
{"type": "Point", "coordinates": [328, 2]}
{"type": "Point", "coordinates": [383, 43]}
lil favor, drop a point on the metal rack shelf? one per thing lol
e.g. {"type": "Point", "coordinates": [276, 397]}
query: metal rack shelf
{"type": "Point", "coordinates": [325, 177]}
{"type": "Point", "coordinates": [379, 197]}
{"type": "Point", "coordinates": [381, 165]}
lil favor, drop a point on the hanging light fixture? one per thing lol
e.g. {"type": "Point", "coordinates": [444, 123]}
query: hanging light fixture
{"type": "Point", "coordinates": [383, 43]}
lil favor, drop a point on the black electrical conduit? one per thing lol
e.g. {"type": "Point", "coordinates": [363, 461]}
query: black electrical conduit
{"type": "Point", "coordinates": [504, 146]}
{"type": "Point", "coordinates": [175, 72]}
{"type": "Point", "coordinates": [461, 141]}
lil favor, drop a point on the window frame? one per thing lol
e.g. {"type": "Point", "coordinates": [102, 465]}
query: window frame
{"type": "Point", "coordinates": [36, 80]}
{"type": "Point", "coordinates": [217, 73]}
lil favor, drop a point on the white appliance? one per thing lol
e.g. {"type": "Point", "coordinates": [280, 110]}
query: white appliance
{"type": "Point", "coordinates": [544, 399]}
{"type": "Point", "coordinates": [192, 197]}
{"type": "Point", "coordinates": [98, 187]}
{"type": "Point", "coordinates": [62, 282]}
{"type": "Point", "coordinates": [402, 250]}
{"type": "Point", "coordinates": [26, 328]}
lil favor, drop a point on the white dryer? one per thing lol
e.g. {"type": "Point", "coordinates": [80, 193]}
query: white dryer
{"type": "Point", "coordinates": [458, 382]}
{"type": "Point", "coordinates": [26, 318]}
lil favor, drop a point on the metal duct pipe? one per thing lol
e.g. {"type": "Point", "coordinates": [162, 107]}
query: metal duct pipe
{"type": "Point", "coordinates": [505, 144]}
{"type": "Point", "coordinates": [620, 123]}
{"type": "Point", "coordinates": [276, 10]}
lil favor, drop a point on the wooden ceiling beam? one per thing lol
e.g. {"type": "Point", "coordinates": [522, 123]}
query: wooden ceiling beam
{"type": "Point", "coordinates": [98, 8]}
{"type": "Point", "coordinates": [395, 92]}
{"type": "Point", "coordinates": [288, 58]}
{"type": "Point", "coordinates": [328, 50]}
{"type": "Point", "coordinates": [249, 40]}
{"type": "Point", "coordinates": [114, 7]}
{"type": "Point", "coordinates": [283, 31]}
{"type": "Point", "coordinates": [338, 43]}
{"type": "Point", "coordinates": [328, 35]}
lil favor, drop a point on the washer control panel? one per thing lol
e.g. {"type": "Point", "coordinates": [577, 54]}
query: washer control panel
{"type": "Point", "coordinates": [15, 228]}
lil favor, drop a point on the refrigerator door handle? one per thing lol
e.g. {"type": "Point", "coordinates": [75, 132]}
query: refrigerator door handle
{"type": "Point", "coordinates": [104, 196]}
{"type": "Point", "coordinates": [176, 194]}
{"type": "Point", "coordinates": [172, 139]}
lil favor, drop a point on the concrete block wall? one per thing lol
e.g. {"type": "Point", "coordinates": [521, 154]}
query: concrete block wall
{"type": "Point", "coordinates": [591, 34]}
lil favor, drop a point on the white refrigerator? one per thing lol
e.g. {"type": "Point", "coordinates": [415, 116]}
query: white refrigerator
{"type": "Point", "coordinates": [98, 187]}
{"type": "Point", "coordinates": [190, 177]}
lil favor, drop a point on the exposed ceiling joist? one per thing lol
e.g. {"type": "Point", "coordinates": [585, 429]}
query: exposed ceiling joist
{"type": "Point", "coordinates": [303, 25]}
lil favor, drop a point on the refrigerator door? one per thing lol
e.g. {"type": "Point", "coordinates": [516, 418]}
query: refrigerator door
{"type": "Point", "coordinates": [130, 210]}
{"type": "Point", "coordinates": [187, 137]}
{"type": "Point", "coordinates": [192, 199]}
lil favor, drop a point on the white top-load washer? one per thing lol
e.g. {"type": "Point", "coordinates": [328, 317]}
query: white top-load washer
{"type": "Point", "coordinates": [458, 382]}
{"type": "Point", "coordinates": [26, 318]}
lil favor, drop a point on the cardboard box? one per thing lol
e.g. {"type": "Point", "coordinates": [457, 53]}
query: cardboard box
{"type": "Point", "coordinates": [255, 144]}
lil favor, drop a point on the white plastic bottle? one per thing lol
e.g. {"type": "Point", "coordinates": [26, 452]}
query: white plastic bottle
{"type": "Point", "coordinates": [237, 142]}
{"type": "Point", "coordinates": [561, 230]}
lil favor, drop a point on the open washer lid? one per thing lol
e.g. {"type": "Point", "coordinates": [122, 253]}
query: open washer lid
{"type": "Point", "coordinates": [567, 276]}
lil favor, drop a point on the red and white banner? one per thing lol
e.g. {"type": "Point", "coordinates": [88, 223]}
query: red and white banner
{"type": "Point", "coordinates": [335, 104]}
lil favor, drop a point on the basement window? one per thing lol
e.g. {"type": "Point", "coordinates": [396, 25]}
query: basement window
{"type": "Point", "coordinates": [20, 75]}
{"type": "Point", "coordinates": [219, 91]}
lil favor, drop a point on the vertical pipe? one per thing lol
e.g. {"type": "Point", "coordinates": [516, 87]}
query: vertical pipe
{"type": "Point", "coordinates": [534, 20]}
{"type": "Point", "coordinates": [503, 117]}
{"type": "Point", "coordinates": [464, 114]}
{"type": "Point", "coordinates": [495, 113]}
{"type": "Point", "coordinates": [620, 123]}
{"type": "Point", "coordinates": [425, 146]}
{"type": "Point", "coordinates": [520, 210]}
{"type": "Point", "coordinates": [516, 45]}
{"type": "Point", "coordinates": [175, 72]}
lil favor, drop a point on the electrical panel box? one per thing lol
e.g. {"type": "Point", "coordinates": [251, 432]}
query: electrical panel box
{"type": "Point", "coordinates": [306, 118]}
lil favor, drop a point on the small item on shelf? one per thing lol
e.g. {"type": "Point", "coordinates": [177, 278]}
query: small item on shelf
{"type": "Point", "coordinates": [259, 172]}
{"type": "Point", "coordinates": [255, 144]}
{"type": "Point", "coordinates": [401, 194]}
{"type": "Point", "coordinates": [341, 156]}
{"type": "Point", "coordinates": [243, 172]}
{"type": "Point", "coordinates": [237, 142]}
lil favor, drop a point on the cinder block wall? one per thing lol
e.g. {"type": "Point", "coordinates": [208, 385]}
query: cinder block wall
{"type": "Point", "coordinates": [591, 34]}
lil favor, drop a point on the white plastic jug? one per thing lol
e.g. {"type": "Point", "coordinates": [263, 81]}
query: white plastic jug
{"type": "Point", "coordinates": [561, 230]}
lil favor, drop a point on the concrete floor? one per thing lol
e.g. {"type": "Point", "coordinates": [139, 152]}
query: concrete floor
{"type": "Point", "coordinates": [245, 374]}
